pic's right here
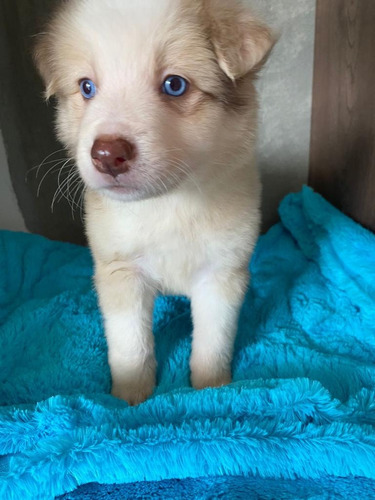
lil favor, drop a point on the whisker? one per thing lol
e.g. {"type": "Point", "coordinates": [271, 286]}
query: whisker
{"type": "Point", "coordinates": [59, 190]}
{"type": "Point", "coordinates": [76, 188]}
{"type": "Point", "coordinates": [48, 171]}
{"type": "Point", "coordinates": [81, 200]}
{"type": "Point", "coordinates": [186, 170]}
{"type": "Point", "coordinates": [74, 176]}
{"type": "Point", "coordinates": [47, 158]}
{"type": "Point", "coordinates": [65, 184]}
{"type": "Point", "coordinates": [55, 162]}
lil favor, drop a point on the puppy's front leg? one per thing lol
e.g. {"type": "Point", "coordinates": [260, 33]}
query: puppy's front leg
{"type": "Point", "coordinates": [126, 302]}
{"type": "Point", "coordinates": [216, 301]}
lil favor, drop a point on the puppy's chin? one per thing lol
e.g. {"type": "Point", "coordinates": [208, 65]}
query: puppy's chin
{"type": "Point", "coordinates": [122, 193]}
{"type": "Point", "coordinates": [131, 191]}
{"type": "Point", "coordinates": [127, 194]}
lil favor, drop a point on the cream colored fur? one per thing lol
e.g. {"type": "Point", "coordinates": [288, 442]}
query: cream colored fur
{"type": "Point", "coordinates": [185, 219]}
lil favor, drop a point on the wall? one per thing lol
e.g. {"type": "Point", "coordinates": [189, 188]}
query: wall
{"type": "Point", "coordinates": [10, 214]}
{"type": "Point", "coordinates": [342, 157]}
{"type": "Point", "coordinates": [285, 100]}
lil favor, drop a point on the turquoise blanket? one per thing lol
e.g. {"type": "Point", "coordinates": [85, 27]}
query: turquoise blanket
{"type": "Point", "coordinates": [301, 406]}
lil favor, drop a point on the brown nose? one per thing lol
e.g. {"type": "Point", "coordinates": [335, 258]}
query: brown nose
{"type": "Point", "coordinates": [111, 156]}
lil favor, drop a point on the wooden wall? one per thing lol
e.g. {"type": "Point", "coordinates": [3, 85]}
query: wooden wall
{"type": "Point", "coordinates": [343, 121]}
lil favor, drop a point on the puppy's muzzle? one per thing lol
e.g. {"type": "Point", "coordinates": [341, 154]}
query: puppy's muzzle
{"type": "Point", "coordinates": [111, 156]}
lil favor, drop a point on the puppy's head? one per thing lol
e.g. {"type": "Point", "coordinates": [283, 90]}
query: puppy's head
{"type": "Point", "coordinates": [152, 93]}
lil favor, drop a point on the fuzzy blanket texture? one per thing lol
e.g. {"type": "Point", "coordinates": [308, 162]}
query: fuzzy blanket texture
{"type": "Point", "coordinates": [297, 421]}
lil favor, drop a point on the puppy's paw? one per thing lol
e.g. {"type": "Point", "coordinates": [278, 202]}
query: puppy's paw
{"type": "Point", "coordinates": [135, 389]}
{"type": "Point", "coordinates": [209, 370]}
{"type": "Point", "coordinates": [132, 394]}
{"type": "Point", "coordinates": [200, 379]}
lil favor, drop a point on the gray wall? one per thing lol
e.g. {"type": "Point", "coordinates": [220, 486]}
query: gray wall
{"type": "Point", "coordinates": [10, 214]}
{"type": "Point", "coordinates": [285, 96]}
{"type": "Point", "coordinates": [286, 100]}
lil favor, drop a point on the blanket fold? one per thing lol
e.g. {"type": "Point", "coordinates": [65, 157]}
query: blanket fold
{"type": "Point", "coordinates": [301, 406]}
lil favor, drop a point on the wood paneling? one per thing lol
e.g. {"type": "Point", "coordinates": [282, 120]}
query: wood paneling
{"type": "Point", "coordinates": [342, 156]}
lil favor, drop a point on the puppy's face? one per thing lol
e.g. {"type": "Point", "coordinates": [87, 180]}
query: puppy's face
{"type": "Point", "coordinates": [152, 93]}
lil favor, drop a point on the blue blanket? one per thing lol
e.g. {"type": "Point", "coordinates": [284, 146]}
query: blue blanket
{"type": "Point", "coordinates": [299, 415]}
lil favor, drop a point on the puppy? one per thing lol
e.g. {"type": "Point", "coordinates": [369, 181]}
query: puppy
{"type": "Point", "coordinates": [156, 102]}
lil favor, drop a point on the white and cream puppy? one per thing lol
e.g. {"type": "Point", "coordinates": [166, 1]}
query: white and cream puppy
{"type": "Point", "coordinates": [156, 102]}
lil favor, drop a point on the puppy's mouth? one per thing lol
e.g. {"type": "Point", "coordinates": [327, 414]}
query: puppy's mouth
{"type": "Point", "coordinates": [129, 184]}
{"type": "Point", "coordinates": [127, 187]}
{"type": "Point", "coordinates": [120, 189]}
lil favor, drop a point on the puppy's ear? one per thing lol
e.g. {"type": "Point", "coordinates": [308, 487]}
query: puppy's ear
{"type": "Point", "coordinates": [44, 60]}
{"type": "Point", "coordinates": [241, 42]}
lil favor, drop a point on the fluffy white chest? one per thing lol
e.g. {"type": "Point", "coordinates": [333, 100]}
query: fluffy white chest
{"type": "Point", "coordinates": [173, 239]}
{"type": "Point", "coordinates": [170, 252]}
{"type": "Point", "coordinates": [168, 244]}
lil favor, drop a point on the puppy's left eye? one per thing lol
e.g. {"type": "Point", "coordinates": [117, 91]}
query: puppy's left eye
{"type": "Point", "coordinates": [175, 86]}
{"type": "Point", "coordinates": [88, 88]}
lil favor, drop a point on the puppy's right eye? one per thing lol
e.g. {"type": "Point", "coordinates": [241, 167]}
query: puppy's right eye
{"type": "Point", "coordinates": [88, 88]}
{"type": "Point", "coordinates": [175, 86]}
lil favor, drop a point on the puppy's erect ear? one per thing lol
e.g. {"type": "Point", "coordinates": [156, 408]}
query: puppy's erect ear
{"type": "Point", "coordinates": [241, 42]}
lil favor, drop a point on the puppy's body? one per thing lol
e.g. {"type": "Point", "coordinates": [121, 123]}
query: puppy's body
{"type": "Point", "coordinates": [183, 217]}
{"type": "Point", "coordinates": [192, 242]}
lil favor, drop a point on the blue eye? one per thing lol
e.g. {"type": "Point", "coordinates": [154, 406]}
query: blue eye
{"type": "Point", "coordinates": [88, 89]}
{"type": "Point", "coordinates": [175, 86]}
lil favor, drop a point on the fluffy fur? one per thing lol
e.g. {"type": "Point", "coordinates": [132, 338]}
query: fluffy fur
{"type": "Point", "coordinates": [185, 218]}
